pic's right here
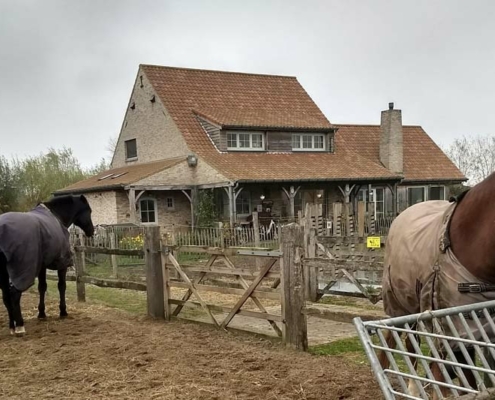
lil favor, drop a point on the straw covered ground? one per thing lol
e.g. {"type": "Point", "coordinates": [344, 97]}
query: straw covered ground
{"type": "Point", "coordinates": [102, 353]}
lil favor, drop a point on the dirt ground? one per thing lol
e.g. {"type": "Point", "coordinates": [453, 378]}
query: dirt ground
{"type": "Point", "coordinates": [103, 353]}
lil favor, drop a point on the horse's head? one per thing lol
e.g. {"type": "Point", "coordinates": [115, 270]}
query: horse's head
{"type": "Point", "coordinates": [73, 210]}
{"type": "Point", "coordinates": [82, 217]}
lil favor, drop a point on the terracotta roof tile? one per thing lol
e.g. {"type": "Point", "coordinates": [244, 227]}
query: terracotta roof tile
{"type": "Point", "coordinates": [423, 159]}
{"type": "Point", "coordinates": [240, 99]}
{"type": "Point", "coordinates": [122, 176]}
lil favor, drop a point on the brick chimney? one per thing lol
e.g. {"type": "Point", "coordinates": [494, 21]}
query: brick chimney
{"type": "Point", "coordinates": [391, 142]}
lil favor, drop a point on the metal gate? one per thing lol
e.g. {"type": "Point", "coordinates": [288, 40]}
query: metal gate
{"type": "Point", "coordinates": [402, 380]}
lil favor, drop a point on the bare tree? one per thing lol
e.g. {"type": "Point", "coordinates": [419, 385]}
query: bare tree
{"type": "Point", "coordinates": [112, 145]}
{"type": "Point", "coordinates": [474, 156]}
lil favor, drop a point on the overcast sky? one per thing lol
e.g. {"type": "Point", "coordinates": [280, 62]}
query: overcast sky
{"type": "Point", "coordinates": [67, 67]}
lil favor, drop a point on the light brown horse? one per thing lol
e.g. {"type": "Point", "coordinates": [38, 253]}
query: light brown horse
{"type": "Point", "coordinates": [462, 231]}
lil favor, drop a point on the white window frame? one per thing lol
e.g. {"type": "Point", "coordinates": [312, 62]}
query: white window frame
{"type": "Point", "coordinates": [249, 204]}
{"type": "Point", "coordinates": [250, 148]}
{"type": "Point", "coordinates": [364, 192]}
{"type": "Point", "coordinates": [167, 207]}
{"type": "Point", "coordinates": [437, 186]}
{"type": "Point", "coordinates": [154, 207]}
{"type": "Point", "coordinates": [312, 148]}
{"type": "Point", "coordinates": [425, 193]}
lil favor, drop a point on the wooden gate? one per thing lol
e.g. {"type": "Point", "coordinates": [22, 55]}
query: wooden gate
{"type": "Point", "coordinates": [194, 286]}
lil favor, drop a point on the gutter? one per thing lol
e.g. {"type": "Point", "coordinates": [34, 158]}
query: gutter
{"type": "Point", "coordinates": [393, 178]}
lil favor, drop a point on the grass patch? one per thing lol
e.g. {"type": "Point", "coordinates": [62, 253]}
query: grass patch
{"type": "Point", "coordinates": [338, 347]}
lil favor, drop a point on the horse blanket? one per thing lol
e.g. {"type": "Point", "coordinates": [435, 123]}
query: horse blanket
{"type": "Point", "coordinates": [421, 272]}
{"type": "Point", "coordinates": [33, 240]}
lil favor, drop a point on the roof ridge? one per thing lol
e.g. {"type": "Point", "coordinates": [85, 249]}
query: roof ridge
{"type": "Point", "coordinates": [374, 125]}
{"type": "Point", "coordinates": [218, 71]}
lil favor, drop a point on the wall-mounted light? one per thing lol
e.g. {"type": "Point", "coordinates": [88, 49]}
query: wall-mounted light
{"type": "Point", "coordinates": [318, 195]}
{"type": "Point", "coordinates": [262, 197]}
{"type": "Point", "coordinates": [192, 160]}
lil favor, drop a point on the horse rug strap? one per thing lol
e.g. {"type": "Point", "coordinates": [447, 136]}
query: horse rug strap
{"type": "Point", "coordinates": [33, 240]}
{"type": "Point", "coordinates": [421, 273]}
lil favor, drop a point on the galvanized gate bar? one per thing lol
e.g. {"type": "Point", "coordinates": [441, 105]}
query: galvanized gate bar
{"type": "Point", "coordinates": [429, 326]}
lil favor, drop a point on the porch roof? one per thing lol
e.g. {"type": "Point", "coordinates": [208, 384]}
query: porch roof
{"type": "Point", "coordinates": [120, 177]}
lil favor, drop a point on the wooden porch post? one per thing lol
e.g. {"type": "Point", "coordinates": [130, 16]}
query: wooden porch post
{"type": "Point", "coordinates": [132, 204]}
{"type": "Point", "coordinates": [346, 192]}
{"type": "Point", "coordinates": [291, 195]}
{"type": "Point", "coordinates": [133, 200]}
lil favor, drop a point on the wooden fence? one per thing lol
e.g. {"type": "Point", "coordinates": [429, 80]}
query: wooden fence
{"type": "Point", "coordinates": [280, 278]}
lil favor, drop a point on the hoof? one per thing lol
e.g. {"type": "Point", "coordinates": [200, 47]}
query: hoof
{"type": "Point", "coordinates": [64, 315]}
{"type": "Point", "coordinates": [20, 331]}
{"type": "Point", "coordinates": [41, 316]}
{"type": "Point", "coordinates": [12, 331]}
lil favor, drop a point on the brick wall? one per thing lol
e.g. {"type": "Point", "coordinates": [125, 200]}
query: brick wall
{"type": "Point", "coordinates": [104, 207]}
{"type": "Point", "coordinates": [151, 125]}
{"type": "Point", "coordinates": [180, 214]}
{"type": "Point", "coordinates": [391, 140]}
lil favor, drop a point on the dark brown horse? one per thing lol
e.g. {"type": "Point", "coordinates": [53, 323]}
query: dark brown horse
{"type": "Point", "coordinates": [33, 241]}
{"type": "Point", "coordinates": [432, 237]}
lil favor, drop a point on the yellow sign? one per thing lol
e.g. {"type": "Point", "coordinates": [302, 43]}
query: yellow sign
{"type": "Point", "coordinates": [373, 242]}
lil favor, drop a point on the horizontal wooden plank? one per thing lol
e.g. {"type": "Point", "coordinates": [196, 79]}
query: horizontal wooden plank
{"type": "Point", "coordinates": [349, 265]}
{"type": "Point", "coordinates": [202, 250]}
{"type": "Point", "coordinates": [104, 250]}
{"type": "Point", "coordinates": [225, 271]}
{"type": "Point", "coordinates": [214, 307]}
{"type": "Point", "coordinates": [261, 293]}
{"type": "Point", "coordinates": [336, 240]}
{"type": "Point", "coordinates": [109, 283]}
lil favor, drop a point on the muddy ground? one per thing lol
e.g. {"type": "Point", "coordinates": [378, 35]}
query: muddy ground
{"type": "Point", "coordinates": [104, 353]}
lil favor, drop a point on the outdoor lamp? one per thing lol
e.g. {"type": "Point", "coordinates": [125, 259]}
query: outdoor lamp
{"type": "Point", "coordinates": [262, 197]}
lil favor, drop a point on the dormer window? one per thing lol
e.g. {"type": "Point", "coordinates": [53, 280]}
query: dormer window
{"type": "Point", "coordinates": [245, 141]}
{"type": "Point", "coordinates": [130, 150]}
{"type": "Point", "coordinates": [308, 141]}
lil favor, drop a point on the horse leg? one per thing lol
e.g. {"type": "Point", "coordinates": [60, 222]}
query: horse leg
{"type": "Point", "coordinates": [62, 285]}
{"type": "Point", "coordinates": [42, 286]}
{"type": "Point", "coordinates": [468, 373]}
{"type": "Point", "coordinates": [412, 387]}
{"type": "Point", "coordinates": [382, 358]}
{"type": "Point", "coordinates": [4, 284]}
{"type": "Point", "coordinates": [15, 297]}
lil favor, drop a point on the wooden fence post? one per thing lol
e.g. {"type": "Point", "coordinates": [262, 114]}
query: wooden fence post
{"type": "Point", "coordinates": [295, 330]}
{"type": "Point", "coordinates": [113, 257]}
{"type": "Point", "coordinates": [79, 266]}
{"type": "Point", "coordinates": [257, 241]}
{"type": "Point", "coordinates": [154, 275]}
{"type": "Point", "coordinates": [361, 215]}
{"type": "Point", "coordinates": [312, 294]}
{"type": "Point", "coordinates": [166, 281]}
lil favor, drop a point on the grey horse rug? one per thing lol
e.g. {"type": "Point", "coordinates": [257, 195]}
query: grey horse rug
{"type": "Point", "coordinates": [33, 240]}
{"type": "Point", "coordinates": [421, 273]}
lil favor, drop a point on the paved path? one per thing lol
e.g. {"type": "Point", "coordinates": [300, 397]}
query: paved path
{"type": "Point", "coordinates": [320, 330]}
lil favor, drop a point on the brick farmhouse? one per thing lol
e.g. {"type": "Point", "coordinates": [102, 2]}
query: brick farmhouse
{"type": "Point", "coordinates": [261, 144]}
